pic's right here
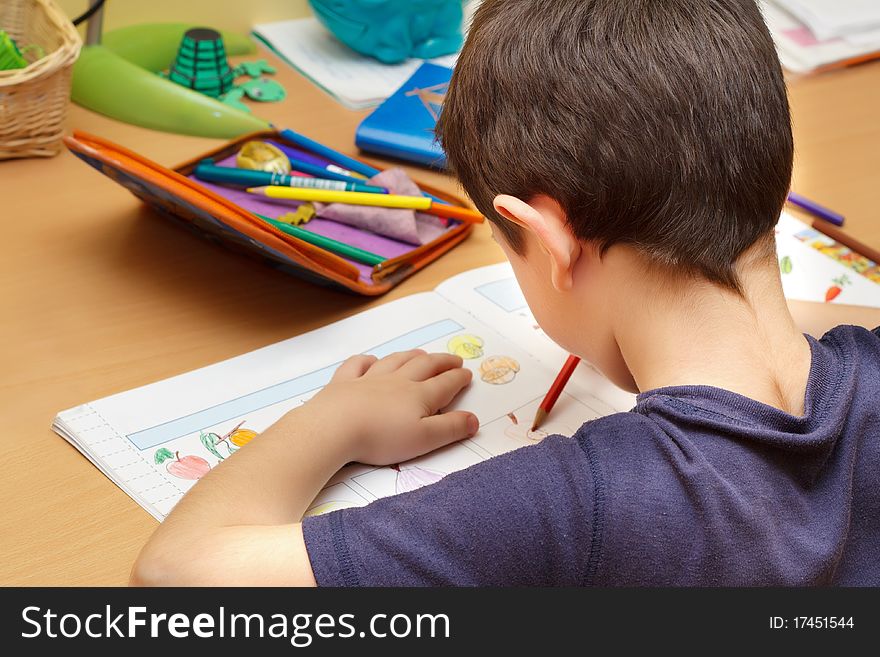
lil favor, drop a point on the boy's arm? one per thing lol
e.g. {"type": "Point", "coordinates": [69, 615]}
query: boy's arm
{"type": "Point", "coordinates": [817, 319]}
{"type": "Point", "coordinates": [240, 524]}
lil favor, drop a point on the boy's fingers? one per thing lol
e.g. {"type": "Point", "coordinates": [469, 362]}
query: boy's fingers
{"type": "Point", "coordinates": [353, 367]}
{"type": "Point", "coordinates": [424, 367]}
{"type": "Point", "coordinates": [449, 428]}
{"type": "Point", "coordinates": [443, 388]}
{"type": "Point", "coordinates": [393, 362]}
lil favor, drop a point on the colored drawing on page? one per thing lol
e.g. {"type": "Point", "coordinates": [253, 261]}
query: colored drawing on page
{"type": "Point", "coordinates": [232, 440]}
{"type": "Point", "coordinates": [841, 254]}
{"type": "Point", "coordinates": [413, 477]}
{"type": "Point", "coordinates": [186, 467]}
{"type": "Point", "coordinates": [499, 370]}
{"type": "Point", "coordinates": [468, 347]}
{"type": "Point", "coordinates": [835, 290]}
{"type": "Point", "coordinates": [785, 265]}
{"type": "Point", "coordinates": [564, 420]}
{"type": "Point", "coordinates": [521, 432]}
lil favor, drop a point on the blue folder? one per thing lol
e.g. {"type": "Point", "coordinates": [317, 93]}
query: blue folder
{"type": "Point", "coordinates": [403, 126]}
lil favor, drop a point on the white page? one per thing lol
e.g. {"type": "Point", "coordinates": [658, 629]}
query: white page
{"type": "Point", "coordinates": [124, 433]}
{"type": "Point", "coordinates": [801, 52]}
{"type": "Point", "coordinates": [835, 18]}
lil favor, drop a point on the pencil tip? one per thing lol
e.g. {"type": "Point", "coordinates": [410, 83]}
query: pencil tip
{"type": "Point", "coordinates": [540, 416]}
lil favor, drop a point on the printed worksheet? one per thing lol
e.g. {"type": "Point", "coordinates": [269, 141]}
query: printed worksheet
{"type": "Point", "coordinates": [155, 442]}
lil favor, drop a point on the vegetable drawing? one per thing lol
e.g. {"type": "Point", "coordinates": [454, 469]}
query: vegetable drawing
{"type": "Point", "coordinates": [786, 265]}
{"type": "Point", "coordinates": [499, 370]}
{"type": "Point", "coordinates": [466, 346]}
{"type": "Point", "coordinates": [188, 467]}
{"type": "Point", "coordinates": [835, 290]}
{"type": "Point", "coordinates": [210, 441]}
{"type": "Point", "coordinates": [241, 437]}
{"type": "Point", "coordinates": [237, 437]}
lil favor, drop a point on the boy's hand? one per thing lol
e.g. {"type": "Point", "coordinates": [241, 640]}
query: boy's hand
{"type": "Point", "coordinates": [388, 409]}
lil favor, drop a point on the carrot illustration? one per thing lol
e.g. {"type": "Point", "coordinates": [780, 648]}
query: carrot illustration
{"type": "Point", "coordinates": [835, 290]}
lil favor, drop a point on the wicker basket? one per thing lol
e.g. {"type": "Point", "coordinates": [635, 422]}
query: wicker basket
{"type": "Point", "coordinates": [33, 100]}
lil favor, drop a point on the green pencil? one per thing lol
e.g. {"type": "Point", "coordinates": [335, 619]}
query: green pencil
{"type": "Point", "coordinates": [339, 248]}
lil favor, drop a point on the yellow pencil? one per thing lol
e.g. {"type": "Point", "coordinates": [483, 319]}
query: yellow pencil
{"type": "Point", "coordinates": [353, 198]}
{"type": "Point", "coordinates": [421, 203]}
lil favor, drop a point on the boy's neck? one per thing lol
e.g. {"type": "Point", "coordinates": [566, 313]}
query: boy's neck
{"type": "Point", "coordinates": [692, 332]}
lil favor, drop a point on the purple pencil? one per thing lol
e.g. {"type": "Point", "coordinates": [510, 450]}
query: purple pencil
{"type": "Point", "coordinates": [815, 209]}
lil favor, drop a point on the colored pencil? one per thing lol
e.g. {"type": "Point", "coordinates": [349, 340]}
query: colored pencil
{"type": "Point", "coordinates": [321, 172]}
{"type": "Point", "coordinates": [555, 390]}
{"type": "Point", "coordinates": [848, 241]}
{"type": "Point", "coordinates": [249, 178]}
{"type": "Point", "coordinates": [420, 203]}
{"type": "Point", "coordinates": [815, 209]}
{"type": "Point", "coordinates": [337, 158]}
{"type": "Point", "coordinates": [329, 154]}
{"type": "Point", "coordinates": [311, 158]}
{"type": "Point", "coordinates": [327, 243]}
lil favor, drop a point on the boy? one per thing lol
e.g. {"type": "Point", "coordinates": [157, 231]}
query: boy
{"type": "Point", "coordinates": [633, 157]}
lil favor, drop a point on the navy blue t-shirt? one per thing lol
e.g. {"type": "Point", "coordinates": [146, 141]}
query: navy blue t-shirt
{"type": "Point", "coordinates": [694, 486]}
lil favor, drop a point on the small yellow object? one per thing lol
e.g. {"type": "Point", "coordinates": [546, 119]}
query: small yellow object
{"type": "Point", "coordinates": [262, 156]}
{"type": "Point", "coordinates": [352, 198]}
{"type": "Point", "coordinates": [303, 215]}
{"type": "Point", "coordinates": [241, 437]}
{"type": "Point", "coordinates": [468, 347]}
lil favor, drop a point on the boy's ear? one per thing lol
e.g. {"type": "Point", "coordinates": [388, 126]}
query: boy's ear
{"type": "Point", "coordinates": [546, 220]}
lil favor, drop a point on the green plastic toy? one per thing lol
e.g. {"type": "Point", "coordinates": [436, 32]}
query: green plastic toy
{"type": "Point", "coordinates": [119, 79]}
{"type": "Point", "coordinates": [254, 69]}
{"type": "Point", "coordinates": [201, 63]}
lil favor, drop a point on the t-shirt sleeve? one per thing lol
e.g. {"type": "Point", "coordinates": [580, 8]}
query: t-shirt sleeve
{"type": "Point", "coordinates": [521, 519]}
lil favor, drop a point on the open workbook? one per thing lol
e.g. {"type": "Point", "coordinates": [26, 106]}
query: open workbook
{"type": "Point", "coordinates": [155, 442]}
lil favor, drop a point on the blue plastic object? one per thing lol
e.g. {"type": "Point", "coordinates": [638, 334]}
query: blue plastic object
{"type": "Point", "coordinates": [394, 30]}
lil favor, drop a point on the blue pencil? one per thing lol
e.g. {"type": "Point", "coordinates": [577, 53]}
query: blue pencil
{"type": "Point", "coordinates": [328, 153]}
{"type": "Point", "coordinates": [208, 172]}
{"type": "Point", "coordinates": [337, 158]}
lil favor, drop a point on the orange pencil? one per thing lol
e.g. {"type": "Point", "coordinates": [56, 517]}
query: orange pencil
{"type": "Point", "coordinates": [555, 390]}
{"type": "Point", "coordinates": [455, 212]}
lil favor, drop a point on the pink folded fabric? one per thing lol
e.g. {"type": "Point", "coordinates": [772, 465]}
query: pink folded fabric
{"type": "Point", "coordinates": [405, 225]}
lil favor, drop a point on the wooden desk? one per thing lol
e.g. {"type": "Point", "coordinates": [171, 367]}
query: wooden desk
{"type": "Point", "coordinates": [101, 296]}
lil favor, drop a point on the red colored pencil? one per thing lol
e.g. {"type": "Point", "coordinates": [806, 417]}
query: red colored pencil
{"type": "Point", "coordinates": [555, 390]}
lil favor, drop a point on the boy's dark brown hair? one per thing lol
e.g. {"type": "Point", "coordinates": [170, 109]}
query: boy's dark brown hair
{"type": "Point", "coordinates": [663, 124]}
